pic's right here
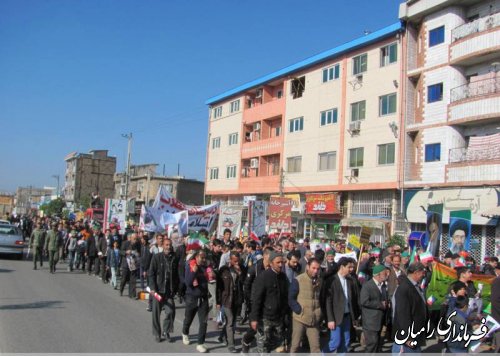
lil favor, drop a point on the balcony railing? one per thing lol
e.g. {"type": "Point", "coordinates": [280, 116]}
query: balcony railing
{"type": "Point", "coordinates": [478, 88]}
{"type": "Point", "coordinates": [479, 25]}
{"type": "Point", "coordinates": [465, 154]}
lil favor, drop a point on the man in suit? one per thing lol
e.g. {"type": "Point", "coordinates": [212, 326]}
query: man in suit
{"type": "Point", "coordinates": [374, 305]}
{"type": "Point", "coordinates": [410, 311]}
{"type": "Point", "coordinates": [394, 272]}
{"type": "Point", "coordinates": [341, 307]}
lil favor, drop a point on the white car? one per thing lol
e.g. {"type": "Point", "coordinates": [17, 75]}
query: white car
{"type": "Point", "coordinates": [11, 240]}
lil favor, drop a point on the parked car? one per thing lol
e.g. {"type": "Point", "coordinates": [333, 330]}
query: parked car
{"type": "Point", "coordinates": [4, 222]}
{"type": "Point", "coordinates": [11, 240]}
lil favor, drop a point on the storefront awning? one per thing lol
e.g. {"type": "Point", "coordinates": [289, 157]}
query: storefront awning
{"type": "Point", "coordinates": [492, 213]}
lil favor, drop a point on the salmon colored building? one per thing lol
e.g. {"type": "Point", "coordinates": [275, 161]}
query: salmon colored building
{"type": "Point", "coordinates": [329, 124]}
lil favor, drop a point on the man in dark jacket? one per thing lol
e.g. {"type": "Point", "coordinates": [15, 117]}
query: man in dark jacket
{"type": "Point", "coordinates": [410, 311]}
{"type": "Point", "coordinates": [270, 305]}
{"type": "Point", "coordinates": [163, 280]}
{"type": "Point", "coordinates": [130, 254]}
{"type": "Point", "coordinates": [91, 252]}
{"type": "Point", "coordinates": [374, 305]}
{"type": "Point", "coordinates": [196, 299]}
{"type": "Point", "coordinates": [102, 254]}
{"type": "Point", "coordinates": [230, 296]}
{"type": "Point", "coordinates": [145, 261]}
{"type": "Point", "coordinates": [341, 307]}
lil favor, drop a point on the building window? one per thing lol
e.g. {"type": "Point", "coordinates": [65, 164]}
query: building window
{"type": "Point", "coordinates": [433, 152]}
{"type": "Point", "coordinates": [327, 161]}
{"type": "Point", "coordinates": [279, 94]}
{"type": "Point", "coordinates": [231, 172]}
{"type": "Point", "coordinates": [298, 87]}
{"type": "Point", "coordinates": [435, 93]}
{"type": "Point", "coordinates": [387, 104]}
{"type": "Point", "coordinates": [216, 142]}
{"type": "Point", "coordinates": [328, 117]}
{"type": "Point", "coordinates": [356, 157]}
{"type": "Point", "coordinates": [388, 54]}
{"type": "Point", "coordinates": [233, 139]}
{"type": "Point", "coordinates": [296, 124]}
{"type": "Point", "coordinates": [358, 111]}
{"type": "Point", "coordinates": [168, 187]}
{"type": "Point", "coordinates": [214, 173]}
{"type": "Point", "coordinates": [436, 36]}
{"type": "Point", "coordinates": [331, 73]}
{"type": "Point", "coordinates": [359, 64]}
{"type": "Point", "coordinates": [235, 106]}
{"type": "Point", "coordinates": [217, 112]}
{"type": "Point", "coordinates": [386, 153]}
{"type": "Point", "coordinates": [294, 164]}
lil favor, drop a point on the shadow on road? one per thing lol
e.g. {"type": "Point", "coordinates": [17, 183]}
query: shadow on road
{"type": "Point", "coordinates": [4, 270]}
{"type": "Point", "coordinates": [48, 304]}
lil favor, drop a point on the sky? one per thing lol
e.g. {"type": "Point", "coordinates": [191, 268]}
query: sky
{"type": "Point", "coordinates": [77, 74]}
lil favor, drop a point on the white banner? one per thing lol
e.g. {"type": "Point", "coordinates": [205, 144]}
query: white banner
{"type": "Point", "coordinates": [180, 219]}
{"type": "Point", "coordinates": [350, 254]}
{"type": "Point", "coordinates": [200, 217]}
{"type": "Point", "coordinates": [115, 213]}
{"type": "Point", "coordinates": [230, 218]}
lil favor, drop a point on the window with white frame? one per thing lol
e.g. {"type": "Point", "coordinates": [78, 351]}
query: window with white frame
{"type": "Point", "coordinates": [214, 173]}
{"type": "Point", "coordinates": [296, 124]}
{"type": "Point", "coordinates": [168, 187]}
{"type": "Point", "coordinates": [331, 73]}
{"type": "Point", "coordinates": [358, 111]}
{"type": "Point", "coordinates": [233, 139]}
{"type": "Point", "coordinates": [231, 172]}
{"type": "Point", "coordinates": [359, 64]}
{"type": "Point", "coordinates": [387, 104]}
{"type": "Point", "coordinates": [356, 157]}
{"type": "Point", "coordinates": [235, 105]}
{"type": "Point", "coordinates": [386, 153]}
{"type": "Point", "coordinates": [327, 161]}
{"type": "Point", "coordinates": [328, 117]}
{"type": "Point", "coordinates": [215, 142]}
{"type": "Point", "coordinates": [388, 54]}
{"type": "Point", "coordinates": [294, 164]}
{"type": "Point", "coordinates": [217, 112]}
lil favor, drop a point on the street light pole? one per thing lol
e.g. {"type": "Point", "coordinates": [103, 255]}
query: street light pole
{"type": "Point", "coordinates": [56, 176]}
{"type": "Point", "coordinates": [129, 153]}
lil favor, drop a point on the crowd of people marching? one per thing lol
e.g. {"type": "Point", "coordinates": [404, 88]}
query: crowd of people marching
{"type": "Point", "coordinates": [290, 298]}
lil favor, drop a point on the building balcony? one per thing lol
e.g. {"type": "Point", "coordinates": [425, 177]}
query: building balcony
{"type": "Point", "coordinates": [261, 184]}
{"type": "Point", "coordinates": [263, 147]}
{"type": "Point", "coordinates": [475, 41]}
{"type": "Point", "coordinates": [475, 101]}
{"type": "Point", "coordinates": [480, 162]}
{"type": "Point", "coordinates": [264, 111]}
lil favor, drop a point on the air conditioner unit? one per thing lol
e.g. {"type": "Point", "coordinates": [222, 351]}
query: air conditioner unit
{"type": "Point", "coordinates": [256, 126]}
{"type": "Point", "coordinates": [355, 172]}
{"type": "Point", "coordinates": [355, 126]}
{"type": "Point", "coordinates": [254, 163]}
{"type": "Point", "coordinates": [259, 93]}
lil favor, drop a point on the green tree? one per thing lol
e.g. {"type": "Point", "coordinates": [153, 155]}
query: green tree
{"type": "Point", "coordinates": [54, 207]}
{"type": "Point", "coordinates": [397, 240]}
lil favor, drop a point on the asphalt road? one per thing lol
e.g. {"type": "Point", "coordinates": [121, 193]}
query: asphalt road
{"type": "Point", "coordinates": [74, 312]}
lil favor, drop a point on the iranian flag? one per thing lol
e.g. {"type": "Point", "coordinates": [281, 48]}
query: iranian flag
{"type": "Point", "coordinates": [196, 241]}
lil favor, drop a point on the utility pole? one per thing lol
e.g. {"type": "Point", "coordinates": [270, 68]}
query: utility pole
{"type": "Point", "coordinates": [56, 176]}
{"type": "Point", "coordinates": [282, 180]}
{"type": "Point", "coordinates": [127, 173]}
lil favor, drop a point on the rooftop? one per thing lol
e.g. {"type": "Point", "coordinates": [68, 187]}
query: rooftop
{"type": "Point", "coordinates": [323, 56]}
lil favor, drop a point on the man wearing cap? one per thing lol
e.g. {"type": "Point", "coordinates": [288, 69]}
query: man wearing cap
{"type": "Point", "coordinates": [374, 303]}
{"type": "Point", "coordinates": [405, 261]}
{"type": "Point", "coordinates": [36, 244]}
{"type": "Point", "coordinates": [270, 305]}
{"type": "Point", "coordinates": [52, 244]}
{"type": "Point", "coordinates": [409, 311]}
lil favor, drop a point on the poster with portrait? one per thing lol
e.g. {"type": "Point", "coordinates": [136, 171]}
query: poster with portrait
{"type": "Point", "coordinates": [258, 217]}
{"type": "Point", "coordinates": [460, 231]}
{"type": "Point", "coordinates": [115, 214]}
{"type": "Point", "coordinates": [434, 229]}
{"type": "Point", "coordinates": [230, 218]}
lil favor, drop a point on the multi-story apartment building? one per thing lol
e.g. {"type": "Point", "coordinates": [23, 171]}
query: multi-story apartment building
{"type": "Point", "coordinates": [452, 139]}
{"type": "Point", "coordinates": [28, 198]}
{"type": "Point", "coordinates": [329, 124]}
{"type": "Point", "coordinates": [89, 173]}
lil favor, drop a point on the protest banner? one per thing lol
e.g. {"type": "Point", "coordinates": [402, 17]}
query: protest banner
{"type": "Point", "coordinates": [280, 214]}
{"type": "Point", "coordinates": [321, 204]}
{"type": "Point", "coordinates": [338, 256]}
{"type": "Point", "coordinates": [443, 276]}
{"type": "Point", "coordinates": [229, 218]}
{"type": "Point", "coordinates": [353, 243]}
{"type": "Point", "coordinates": [257, 213]}
{"type": "Point", "coordinates": [115, 213]}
